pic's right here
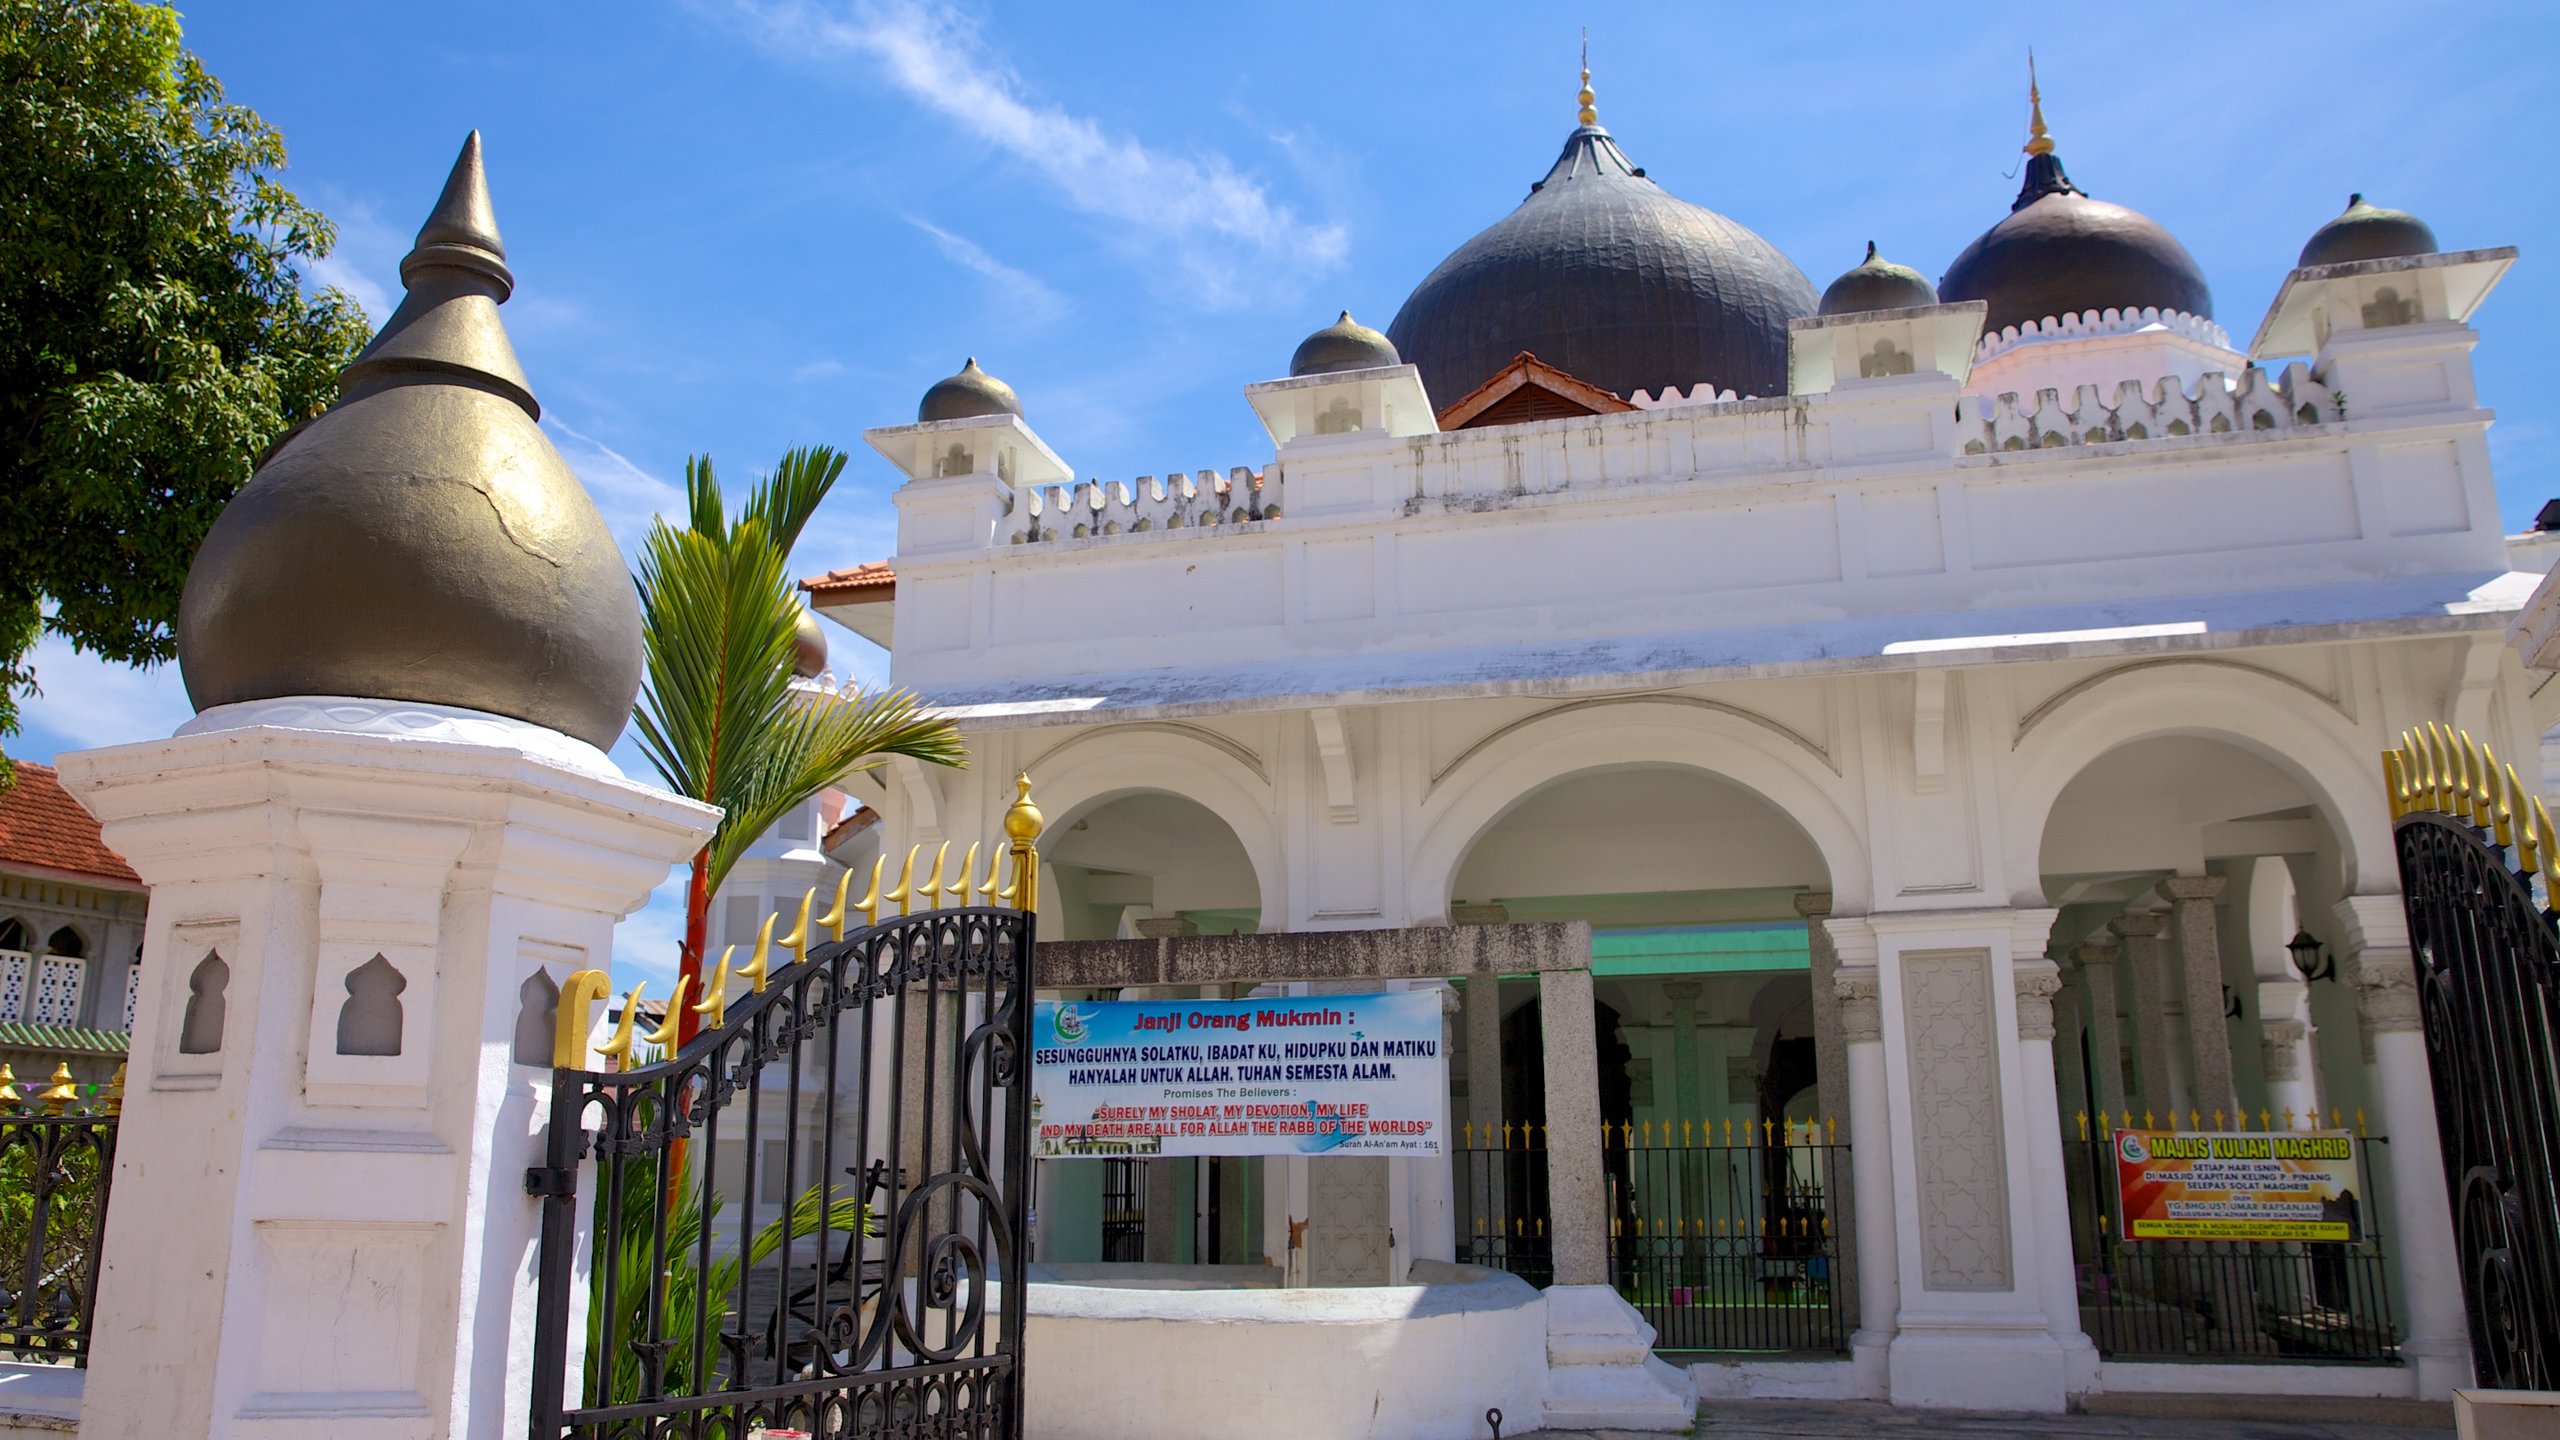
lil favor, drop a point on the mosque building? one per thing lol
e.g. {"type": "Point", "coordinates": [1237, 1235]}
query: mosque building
{"type": "Point", "coordinates": [1941, 721]}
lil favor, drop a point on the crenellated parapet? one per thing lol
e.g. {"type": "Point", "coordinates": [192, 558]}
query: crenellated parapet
{"type": "Point", "coordinates": [2218, 405]}
{"type": "Point", "coordinates": [1177, 502]}
{"type": "Point", "coordinates": [2094, 324]}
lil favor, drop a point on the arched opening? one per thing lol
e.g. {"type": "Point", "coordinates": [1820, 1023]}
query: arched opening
{"type": "Point", "coordinates": [1712, 1056]}
{"type": "Point", "coordinates": [2181, 867]}
{"type": "Point", "coordinates": [1148, 864]}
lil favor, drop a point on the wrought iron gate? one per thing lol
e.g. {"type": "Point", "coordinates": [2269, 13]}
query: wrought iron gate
{"type": "Point", "coordinates": [2476, 855]}
{"type": "Point", "coordinates": [810, 1217]}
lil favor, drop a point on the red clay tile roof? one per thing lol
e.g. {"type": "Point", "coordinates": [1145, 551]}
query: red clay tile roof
{"type": "Point", "coordinates": [43, 828]}
{"type": "Point", "coordinates": [871, 582]}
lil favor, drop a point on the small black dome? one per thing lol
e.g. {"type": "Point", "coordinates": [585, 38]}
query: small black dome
{"type": "Point", "coordinates": [2060, 252]}
{"type": "Point", "coordinates": [1877, 284]}
{"type": "Point", "coordinates": [1346, 344]}
{"type": "Point", "coordinates": [1602, 273]}
{"type": "Point", "coordinates": [2368, 232]}
{"type": "Point", "coordinates": [971, 393]}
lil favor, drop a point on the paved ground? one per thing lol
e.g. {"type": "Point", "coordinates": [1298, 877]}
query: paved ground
{"type": "Point", "coordinates": [1844, 1420]}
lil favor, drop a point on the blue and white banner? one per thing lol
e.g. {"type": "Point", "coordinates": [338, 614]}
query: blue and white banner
{"type": "Point", "coordinates": [1311, 1075]}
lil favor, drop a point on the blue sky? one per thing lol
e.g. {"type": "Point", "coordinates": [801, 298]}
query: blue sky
{"type": "Point", "coordinates": [743, 225]}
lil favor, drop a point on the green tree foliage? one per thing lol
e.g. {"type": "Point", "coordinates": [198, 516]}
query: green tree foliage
{"type": "Point", "coordinates": [717, 713]}
{"type": "Point", "coordinates": [157, 330]}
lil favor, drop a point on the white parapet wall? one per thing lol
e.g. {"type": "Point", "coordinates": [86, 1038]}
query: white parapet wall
{"type": "Point", "coordinates": [1396, 1362]}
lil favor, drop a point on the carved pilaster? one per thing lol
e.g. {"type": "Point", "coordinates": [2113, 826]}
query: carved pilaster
{"type": "Point", "coordinates": [1861, 1005]}
{"type": "Point", "coordinates": [2038, 981]}
{"type": "Point", "coordinates": [2280, 1050]}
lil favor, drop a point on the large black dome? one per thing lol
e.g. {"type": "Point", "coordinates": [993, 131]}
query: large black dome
{"type": "Point", "coordinates": [2060, 252]}
{"type": "Point", "coordinates": [1604, 274]}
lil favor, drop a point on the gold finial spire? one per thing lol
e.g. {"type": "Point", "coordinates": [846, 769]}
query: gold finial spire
{"type": "Point", "coordinates": [2038, 142]}
{"type": "Point", "coordinates": [1587, 115]}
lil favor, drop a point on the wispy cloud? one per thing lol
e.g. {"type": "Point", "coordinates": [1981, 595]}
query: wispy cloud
{"type": "Point", "coordinates": [1219, 227]}
{"type": "Point", "coordinates": [818, 370]}
{"type": "Point", "coordinates": [366, 261]}
{"type": "Point", "coordinates": [628, 495]}
{"type": "Point", "coordinates": [1034, 301]}
{"type": "Point", "coordinates": [88, 702]}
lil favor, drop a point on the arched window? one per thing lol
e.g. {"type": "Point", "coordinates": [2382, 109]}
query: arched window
{"type": "Point", "coordinates": [67, 941]}
{"type": "Point", "coordinates": [13, 935]}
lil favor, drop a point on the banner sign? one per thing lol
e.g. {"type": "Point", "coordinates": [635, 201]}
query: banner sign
{"type": "Point", "coordinates": [1313, 1074]}
{"type": "Point", "coordinates": [2296, 1185]}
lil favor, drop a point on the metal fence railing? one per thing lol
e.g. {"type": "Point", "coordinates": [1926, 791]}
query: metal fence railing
{"type": "Point", "coordinates": [57, 1156]}
{"type": "Point", "coordinates": [1724, 1236]}
{"type": "Point", "coordinates": [2227, 1300]}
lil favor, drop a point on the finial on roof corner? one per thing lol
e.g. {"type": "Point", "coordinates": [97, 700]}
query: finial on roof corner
{"type": "Point", "coordinates": [1586, 114]}
{"type": "Point", "coordinates": [2038, 142]}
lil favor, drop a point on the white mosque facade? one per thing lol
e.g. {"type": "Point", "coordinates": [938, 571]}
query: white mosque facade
{"type": "Point", "coordinates": [1943, 706]}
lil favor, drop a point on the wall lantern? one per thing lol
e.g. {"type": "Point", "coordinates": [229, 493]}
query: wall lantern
{"type": "Point", "coordinates": [2308, 962]}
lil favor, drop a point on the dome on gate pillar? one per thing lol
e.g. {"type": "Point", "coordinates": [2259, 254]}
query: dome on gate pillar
{"type": "Point", "coordinates": [2365, 231]}
{"type": "Point", "coordinates": [1606, 275]}
{"type": "Point", "coordinates": [422, 540]}
{"type": "Point", "coordinates": [2060, 252]}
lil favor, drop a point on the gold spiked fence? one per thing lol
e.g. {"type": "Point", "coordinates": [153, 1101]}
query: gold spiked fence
{"type": "Point", "coordinates": [1723, 1232]}
{"type": "Point", "coordinates": [2444, 771]}
{"type": "Point", "coordinates": [1015, 858]}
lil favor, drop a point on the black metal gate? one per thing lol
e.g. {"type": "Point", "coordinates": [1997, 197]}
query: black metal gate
{"type": "Point", "coordinates": [811, 1217]}
{"type": "Point", "coordinates": [2474, 851]}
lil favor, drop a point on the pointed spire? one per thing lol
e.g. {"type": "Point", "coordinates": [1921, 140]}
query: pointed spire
{"type": "Point", "coordinates": [463, 228]}
{"type": "Point", "coordinates": [1587, 115]}
{"type": "Point", "coordinates": [447, 326]}
{"type": "Point", "coordinates": [2038, 142]}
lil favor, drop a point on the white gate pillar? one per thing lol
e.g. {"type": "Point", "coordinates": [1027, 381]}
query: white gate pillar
{"type": "Point", "coordinates": [2429, 1264]}
{"type": "Point", "coordinates": [319, 1220]}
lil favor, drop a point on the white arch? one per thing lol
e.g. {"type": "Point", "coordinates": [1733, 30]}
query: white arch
{"type": "Point", "coordinates": [1111, 764]}
{"type": "Point", "coordinates": [2270, 718]}
{"type": "Point", "coordinates": [1499, 775]}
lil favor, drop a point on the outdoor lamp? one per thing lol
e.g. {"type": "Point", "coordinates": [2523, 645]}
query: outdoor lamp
{"type": "Point", "coordinates": [2308, 962]}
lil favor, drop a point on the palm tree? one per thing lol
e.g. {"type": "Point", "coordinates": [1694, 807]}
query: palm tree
{"type": "Point", "coordinates": [717, 713]}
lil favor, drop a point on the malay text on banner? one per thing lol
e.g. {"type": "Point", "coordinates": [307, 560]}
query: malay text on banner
{"type": "Point", "coordinates": [1313, 1074]}
{"type": "Point", "coordinates": [2285, 1185]}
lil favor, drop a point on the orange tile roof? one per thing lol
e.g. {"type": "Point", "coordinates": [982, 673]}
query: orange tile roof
{"type": "Point", "coordinates": [43, 828]}
{"type": "Point", "coordinates": [870, 582]}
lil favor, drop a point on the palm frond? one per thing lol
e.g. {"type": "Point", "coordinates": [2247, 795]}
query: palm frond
{"type": "Point", "coordinates": [790, 495]}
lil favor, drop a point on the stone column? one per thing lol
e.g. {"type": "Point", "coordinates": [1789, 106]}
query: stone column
{"type": "Point", "coordinates": [2191, 900]}
{"type": "Point", "coordinates": [1601, 1371]}
{"type": "Point", "coordinates": [1877, 1279]}
{"type": "Point", "coordinates": [2037, 981]}
{"type": "Point", "coordinates": [2156, 1057]}
{"type": "Point", "coordinates": [1830, 1052]}
{"type": "Point", "coordinates": [2284, 1050]}
{"type": "Point", "coordinates": [2379, 964]}
{"type": "Point", "coordinates": [1482, 998]}
{"type": "Point", "coordinates": [2106, 1039]}
{"type": "Point", "coordinates": [1577, 1185]}
{"type": "Point", "coordinates": [1488, 1193]}
{"type": "Point", "coordinates": [319, 1220]}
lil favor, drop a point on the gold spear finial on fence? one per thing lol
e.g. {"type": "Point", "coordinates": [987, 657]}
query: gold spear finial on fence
{"type": "Point", "coordinates": [714, 1008]}
{"type": "Point", "coordinates": [834, 918]}
{"type": "Point", "coordinates": [868, 907]}
{"type": "Point", "coordinates": [2395, 783]}
{"type": "Point", "coordinates": [1022, 826]}
{"type": "Point", "coordinates": [995, 865]}
{"type": "Point", "coordinates": [760, 960]}
{"type": "Point", "coordinates": [2549, 843]}
{"type": "Point", "coordinates": [958, 889]}
{"type": "Point", "coordinates": [62, 1091]}
{"type": "Point", "coordinates": [618, 1048]}
{"type": "Point", "coordinates": [112, 1098]}
{"type": "Point", "coordinates": [906, 875]}
{"type": "Point", "coordinates": [798, 939]}
{"type": "Point", "coordinates": [932, 885]}
{"type": "Point", "coordinates": [577, 1002]}
{"type": "Point", "coordinates": [664, 1037]}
